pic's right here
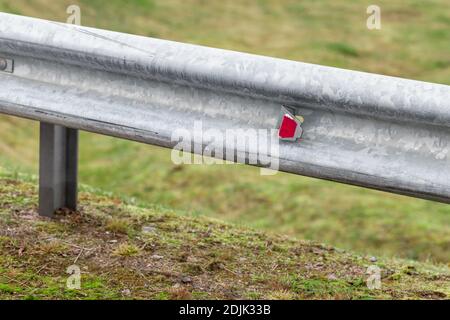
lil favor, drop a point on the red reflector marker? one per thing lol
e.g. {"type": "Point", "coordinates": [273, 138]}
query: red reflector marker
{"type": "Point", "coordinates": [289, 128]}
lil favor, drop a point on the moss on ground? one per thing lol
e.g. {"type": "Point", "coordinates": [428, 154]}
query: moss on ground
{"type": "Point", "coordinates": [127, 252]}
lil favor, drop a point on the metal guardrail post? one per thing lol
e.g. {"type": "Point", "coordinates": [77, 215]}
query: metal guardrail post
{"type": "Point", "coordinates": [58, 167]}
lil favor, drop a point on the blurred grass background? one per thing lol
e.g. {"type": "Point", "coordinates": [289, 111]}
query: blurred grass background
{"type": "Point", "coordinates": [414, 42]}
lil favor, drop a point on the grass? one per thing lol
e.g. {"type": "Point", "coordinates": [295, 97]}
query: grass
{"type": "Point", "coordinates": [126, 250]}
{"type": "Point", "coordinates": [173, 256]}
{"type": "Point", "coordinates": [118, 226]}
{"type": "Point", "coordinates": [412, 43]}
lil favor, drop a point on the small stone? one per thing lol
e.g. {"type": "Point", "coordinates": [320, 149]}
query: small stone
{"type": "Point", "coordinates": [332, 277]}
{"type": "Point", "coordinates": [126, 292]}
{"type": "Point", "coordinates": [112, 241]}
{"type": "Point", "coordinates": [373, 259]}
{"type": "Point", "coordinates": [191, 259]}
{"type": "Point", "coordinates": [148, 229]}
{"type": "Point", "coordinates": [157, 257]}
{"type": "Point", "coordinates": [186, 280]}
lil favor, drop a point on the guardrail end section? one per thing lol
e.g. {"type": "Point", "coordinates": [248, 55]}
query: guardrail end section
{"type": "Point", "coordinates": [58, 168]}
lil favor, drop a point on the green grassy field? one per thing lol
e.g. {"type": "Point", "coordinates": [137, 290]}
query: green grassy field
{"type": "Point", "coordinates": [127, 252]}
{"type": "Point", "coordinates": [414, 42]}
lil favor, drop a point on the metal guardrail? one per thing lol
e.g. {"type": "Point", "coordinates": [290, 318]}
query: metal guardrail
{"type": "Point", "coordinates": [364, 129]}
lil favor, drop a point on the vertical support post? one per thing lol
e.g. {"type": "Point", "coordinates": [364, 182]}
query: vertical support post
{"type": "Point", "coordinates": [58, 168]}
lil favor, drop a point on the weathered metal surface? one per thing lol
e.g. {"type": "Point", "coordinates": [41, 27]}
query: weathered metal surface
{"type": "Point", "coordinates": [6, 65]}
{"type": "Point", "coordinates": [364, 129]}
{"type": "Point", "coordinates": [58, 163]}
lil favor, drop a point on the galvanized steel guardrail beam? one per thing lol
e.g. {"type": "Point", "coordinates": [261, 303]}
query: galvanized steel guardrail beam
{"type": "Point", "coordinates": [364, 129]}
